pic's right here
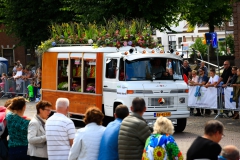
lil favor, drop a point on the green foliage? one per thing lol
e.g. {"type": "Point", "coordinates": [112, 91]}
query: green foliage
{"type": "Point", "coordinates": [28, 20]}
{"type": "Point", "coordinates": [230, 43]}
{"type": "Point", "coordinates": [211, 12]}
{"type": "Point", "coordinates": [198, 45]}
{"type": "Point", "coordinates": [229, 40]}
{"type": "Point", "coordinates": [161, 14]}
{"type": "Point", "coordinates": [115, 34]}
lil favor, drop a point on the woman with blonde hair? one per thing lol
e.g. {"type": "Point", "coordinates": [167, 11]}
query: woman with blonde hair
{"type": "Point", "coordinates": [161, 144]}
{"type": "Point", "coordinates": [194, 78]}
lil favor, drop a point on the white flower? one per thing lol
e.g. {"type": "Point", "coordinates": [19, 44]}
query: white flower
{"type": "Point", "coordinates": [65, 86]}
{"type": "Point", "coordinates": [90, 41]}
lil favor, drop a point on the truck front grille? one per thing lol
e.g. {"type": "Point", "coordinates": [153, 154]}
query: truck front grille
{"type": "Point", "coordinates": [153, 102]}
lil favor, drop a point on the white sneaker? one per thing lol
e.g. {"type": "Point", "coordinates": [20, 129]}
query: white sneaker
{"type": "Point", "coordinates": [37, 100]}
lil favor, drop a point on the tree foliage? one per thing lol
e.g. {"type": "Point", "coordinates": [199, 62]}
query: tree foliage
{"type": "Point", "coordinates": [28, 20]}
{"type": "Point", "coordinates": [198, 45]}
{"type": "Point", "coordinates": [211, 12]}
{"type": "Point", "coordinates": [161, 14]}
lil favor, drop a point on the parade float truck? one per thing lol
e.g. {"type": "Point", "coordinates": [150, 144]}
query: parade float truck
{"type": "Point", "coordinates": [108, 76]}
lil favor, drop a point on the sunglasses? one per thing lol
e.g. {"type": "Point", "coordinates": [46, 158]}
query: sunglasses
{"type": "Point", "coordinates": [225, 64]}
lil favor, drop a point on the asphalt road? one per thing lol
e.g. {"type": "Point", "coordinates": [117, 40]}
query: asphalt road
{"type": "Point", "coordinates": [193, 129]}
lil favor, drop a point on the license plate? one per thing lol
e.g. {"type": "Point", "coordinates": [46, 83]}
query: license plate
{"type": "Point", "coordinates": [164, 114]}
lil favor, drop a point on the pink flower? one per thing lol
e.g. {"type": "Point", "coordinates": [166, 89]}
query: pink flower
{"type": "Point", "coordinates": [125, 43]}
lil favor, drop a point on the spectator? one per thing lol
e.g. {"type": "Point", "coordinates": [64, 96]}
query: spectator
{"type": "Point", "coordinates": [233, 78]}
{"type": "Point", "coordinates": [186, 69]}
{"type": "Point", "coordinates": [134, 132]}
{"type": "Point", "coordinates": [18, 78]}
{"type": "Point", "coordinates": [194, 78]}
{"type": "Point", "coordinates": [27, 74]}
{"type": "Point", "coordinates": [3, 131]}
{"type": "Point", "coordinates": [207, 147]}
{"type": "Point", "coordinates": [37, 146]}
{"type": "Point", "coordinates": [229, 152]}
{"type": "Point", "coordinates": [211, 83]}
{"type": "Point", "coordinates": [15, 68]}
{"type": "Point", "coordinates": [17, 125]}
{"type": "Point", "coordinates": [202, 65]}
{"type": "Point", "coordinates": [30, 88]}
{"type": "Point", "coordinates": [162, 134]}
{"type": "Point", "coordinates": [202, 80]}
{"type": "Point", "coordinates": [236, 94]}
{"type": "Point", "coordinates": [227, 73]}
{"type": "Point", "coordinates": [192, 83]}
{"type": "Point", "coordinates": [109, 143]}
{"type": "Point", "coordinates": [87, 141]}
{"type": "Point", "coordinates": [60, 131]}
{"type": "Point", "coordinates": [3, 78]}
{"type": "Point", "coordinates": [19, 63]}
{"type": "Point", "coordinates": [39, 86]}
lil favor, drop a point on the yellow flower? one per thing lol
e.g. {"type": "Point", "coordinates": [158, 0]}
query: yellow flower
{"type": "Point", "coordinates": [158, 153]}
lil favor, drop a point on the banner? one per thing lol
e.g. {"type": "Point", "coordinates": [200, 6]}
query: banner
{"type": "Point", "coordinates": [228, 98]}
{"type": "Point", "coordinates": [201, 97]}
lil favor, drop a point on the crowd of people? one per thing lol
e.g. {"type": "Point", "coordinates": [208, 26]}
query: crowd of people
{"type": "Point", "coordinates": [23, 75]}
{"type": "Point", "coordinates": [229, 78]}
{"type": "Point", "coordinates": [128, 137]}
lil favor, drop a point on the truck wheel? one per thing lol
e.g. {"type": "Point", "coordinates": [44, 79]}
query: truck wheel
{"type": "Point", "coordinates": [181, 124]}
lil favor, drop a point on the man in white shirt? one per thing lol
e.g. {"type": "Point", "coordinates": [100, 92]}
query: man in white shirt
{"type": "Point", "coordinates": [60, 132]}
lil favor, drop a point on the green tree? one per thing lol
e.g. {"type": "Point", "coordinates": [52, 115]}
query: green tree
{"type": "Point", "coordinates": [28, 20]}
{"type": "Point", "coordinates": [198, 45]}
{"type": "Point", "coordinates": [161, 14]}
{"type": "Point", "coordinates": [230, 43]}
{"type": "Point", "coordinates": [210, 12]}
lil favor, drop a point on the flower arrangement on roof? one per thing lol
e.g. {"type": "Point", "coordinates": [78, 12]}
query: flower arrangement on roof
{"type": "Point", "coordinates": [115, 33]}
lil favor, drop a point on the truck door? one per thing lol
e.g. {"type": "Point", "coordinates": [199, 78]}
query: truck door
{"type": "Point", "coordinates": [110, 85]}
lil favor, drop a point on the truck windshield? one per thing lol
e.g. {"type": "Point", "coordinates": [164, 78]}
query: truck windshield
{"type": "Point", "coordinates": [150, 69]}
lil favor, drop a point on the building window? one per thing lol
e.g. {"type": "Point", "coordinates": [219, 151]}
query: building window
{"type": "Point", "coordinates": [8, 54]}
{"type": "Point", "coordinates": [172, 42]}
{"type": "Point", "coordinates": [231, 22]}
{"type": "Point", "coordinates": [159, 40]}
{"type": "Point", "coordinates": [179, 42]}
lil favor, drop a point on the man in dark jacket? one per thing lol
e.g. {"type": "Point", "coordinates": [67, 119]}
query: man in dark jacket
{"type": "Point", "coordinates": [133, 133]}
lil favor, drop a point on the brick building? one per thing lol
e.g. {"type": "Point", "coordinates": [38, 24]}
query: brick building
{"type": "Point", "coordinates": [236, 21]}
{"type": "Point", "coordinates": [10, 49]}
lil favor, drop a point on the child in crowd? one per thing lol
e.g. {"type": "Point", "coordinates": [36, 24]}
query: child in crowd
{"type": "Point", "coordinates": [3, 78]}
{"type": "Point", "coordinates": [30, 88]}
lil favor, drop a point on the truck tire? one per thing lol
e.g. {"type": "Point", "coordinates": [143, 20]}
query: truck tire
{"type": "Point", "coordinates": [181, 124]}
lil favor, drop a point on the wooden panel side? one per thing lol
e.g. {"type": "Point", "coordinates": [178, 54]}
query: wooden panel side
{"type": "Point", "coordinates": [99, 73]}
{"type": "Point", "coordinates": [78, 102]}
{"type": "Point", "coordinates": [49, 72]}
{"type": "Point", "coordinates": [50, 97]}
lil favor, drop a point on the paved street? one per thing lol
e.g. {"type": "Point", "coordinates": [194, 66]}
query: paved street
{"type": "Point", "coordinates": [194, 128]}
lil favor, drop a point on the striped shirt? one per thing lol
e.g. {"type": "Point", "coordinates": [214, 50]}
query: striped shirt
{"type": "Point", "coordinates": [59, 129]}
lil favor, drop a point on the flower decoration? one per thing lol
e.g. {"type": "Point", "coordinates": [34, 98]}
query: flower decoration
{"type": "Point", "coordinates": [90, 88]}
{"type": "Point", "coordinates": [115, 34]}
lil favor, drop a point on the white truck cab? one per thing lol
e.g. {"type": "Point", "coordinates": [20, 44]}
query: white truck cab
{"type": "Point", "coordinates": [154, 76]}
